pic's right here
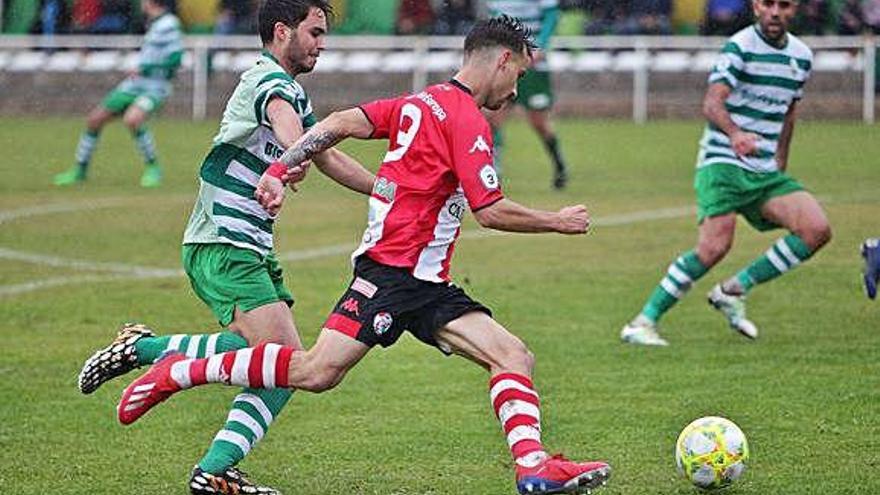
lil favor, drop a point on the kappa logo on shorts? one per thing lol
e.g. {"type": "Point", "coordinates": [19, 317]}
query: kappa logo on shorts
{"type": "Point", "coordinates": [351, 305]}
{"type": "Point", "coordinates": [364, 287]}
{"type": "Point", "coordinates": [382, 322]}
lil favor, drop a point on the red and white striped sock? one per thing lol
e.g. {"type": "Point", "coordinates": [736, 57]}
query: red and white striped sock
{"type": "Point", "coordinates": [263, 366]}
{"type": "Point", "coordinates": [518, 407]}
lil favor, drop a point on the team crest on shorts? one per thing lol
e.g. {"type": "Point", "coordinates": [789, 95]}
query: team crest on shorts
{"type": "Point", "coordinates": [382, 322]}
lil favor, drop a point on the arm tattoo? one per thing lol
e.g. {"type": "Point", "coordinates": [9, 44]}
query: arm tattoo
{"type": "Point", "coordinates": [314, 142]}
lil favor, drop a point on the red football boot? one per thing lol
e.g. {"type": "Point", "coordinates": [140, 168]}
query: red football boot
{"type": "Point", "coordinates": [150, 389]}
{"type": "Point", "coordinates": [559, 475]}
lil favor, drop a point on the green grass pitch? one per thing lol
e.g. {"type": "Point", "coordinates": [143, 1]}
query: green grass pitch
{"type": "Point", "coordinates": [75, 263]}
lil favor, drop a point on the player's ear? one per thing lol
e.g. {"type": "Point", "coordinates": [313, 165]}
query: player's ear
{"type": "Point", "coordinates": [504, 58]}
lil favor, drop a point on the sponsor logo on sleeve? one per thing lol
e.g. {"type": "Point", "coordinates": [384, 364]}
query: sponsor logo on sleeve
{"type": "Point", "coordinates": [480, 144]}
{"type": "Point", "coordinates": [385, 189]}
{"type": "Point", "coordinates": [382, 322]}
{"type": "Point", "coordinates": [489, 177]}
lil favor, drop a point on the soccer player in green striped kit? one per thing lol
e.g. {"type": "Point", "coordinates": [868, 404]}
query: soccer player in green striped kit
{"type": "Point", "coordinates": [137, 97]}
{"type": "Point", "coordinates": [751, 107]}
{"type": "Point", "coordinates": [228, 250]}
{"type": "Point", "coordinates": [535, 89]}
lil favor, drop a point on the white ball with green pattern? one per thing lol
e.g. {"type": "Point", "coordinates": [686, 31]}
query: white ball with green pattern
{"type": "Point", "coordinates": [711, 452]}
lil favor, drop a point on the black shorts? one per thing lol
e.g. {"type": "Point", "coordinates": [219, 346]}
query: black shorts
{"type": "Point", "coordinates": [384, 301]}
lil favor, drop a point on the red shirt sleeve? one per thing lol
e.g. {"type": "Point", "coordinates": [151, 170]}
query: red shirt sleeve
{"type": "Point", "coordinates": [380, 113]}
{"type": "Point", "coordinates": [472, 160]}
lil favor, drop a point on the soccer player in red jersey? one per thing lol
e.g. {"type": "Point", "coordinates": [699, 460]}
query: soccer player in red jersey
{"type": "Point", "coordinates": [438, 164]}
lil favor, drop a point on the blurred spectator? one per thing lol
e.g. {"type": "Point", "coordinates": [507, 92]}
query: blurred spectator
{"type": "Point", "coordinates": [53, 17]}
{"type": "Point", "coordinates": [414, 17]}
{"type": "Point", "coordinates": [103, 16]}
{"type": "Point", "coordinates": [812, 17]}
{"type": "Point", "coordinates": [455, 17]}
{"type": "Point", "coordinates": [871, 11]}
{"type": "Point", "coordinates": [236, 17]}
{"type": "Point", "coordinates": [725, 17]}
{"type": "Point", "coordinates": [85, 14]}
{"type": "Point", "coordinates": [605, 16]}
{"type": "Point", "coordinates": [851, 19]}
{"type": "Point", "coordinates": [648, 17]}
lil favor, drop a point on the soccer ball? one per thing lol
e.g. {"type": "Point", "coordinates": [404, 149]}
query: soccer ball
{"type": "Point", "coordinates": [711, 451]}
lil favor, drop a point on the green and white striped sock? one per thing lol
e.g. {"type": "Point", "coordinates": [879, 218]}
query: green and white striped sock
{"type": "Point", "coordinates": [194, 346]}
{"type": "Point", "coordinates": [145, 143]}
{"type": "Point", "coordinates": [253, 411]}
{"type": "Point", "coordinates": [88, 142]}
{"type": "Point", "coordinates": [679, 278]}
{"type": "Point", "coordinates": [785, 254]}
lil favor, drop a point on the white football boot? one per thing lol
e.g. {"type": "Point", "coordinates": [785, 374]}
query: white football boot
{"type": "Point", "coordinates": [642, 331]}
{"type": "Point", "coordinates": [734, 309]}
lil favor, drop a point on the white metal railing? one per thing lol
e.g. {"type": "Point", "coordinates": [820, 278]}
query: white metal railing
{"type": "Point", "coordinates": [423, 48]}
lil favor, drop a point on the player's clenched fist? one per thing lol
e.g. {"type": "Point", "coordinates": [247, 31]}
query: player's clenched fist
{"type": "Point", "coordinates": [744, 143]}
{"type": "Point", "coordinates": [270, 193]}
{"type": "Point", "coordinates": [573, 220]}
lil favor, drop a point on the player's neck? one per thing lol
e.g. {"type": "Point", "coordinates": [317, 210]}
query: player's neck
{"type": "Point", "coordinates": [775, 43]}
{"type": "Point", "coordinates": [471, 80]}
{"type": "Point", "coordinates": [276, 55]}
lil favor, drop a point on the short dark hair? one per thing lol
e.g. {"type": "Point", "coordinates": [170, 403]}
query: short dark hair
{"type": "Point", "coordinates": [289, 12]}
{"type": "Point", "coordinates": [503, 30]}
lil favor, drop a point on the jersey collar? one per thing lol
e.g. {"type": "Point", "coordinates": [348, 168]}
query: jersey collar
{"type": "Point", "coordinates": [461, 86]}
{"type": "Point", "coordinates": [271, 57]}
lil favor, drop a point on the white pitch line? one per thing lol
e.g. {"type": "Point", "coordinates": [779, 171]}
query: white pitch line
{"type": "Point", "coordinates": [15, 289]}
{"type": "Point", "coordinates": [92, 204]}
{"type": "Point", "coordinates": [122, 271]}
{"type": "Point", "coordinates": [98, 266]}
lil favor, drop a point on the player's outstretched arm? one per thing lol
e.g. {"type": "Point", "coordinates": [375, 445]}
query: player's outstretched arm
{"type": "Point", "coordinates": [322, 136]}
{"type": "Point", "coordinates": [345, 170]}
{"type": "Point", "coordinates": [509, 216]}
{"type": "Point", "coordinates": [715, 111]}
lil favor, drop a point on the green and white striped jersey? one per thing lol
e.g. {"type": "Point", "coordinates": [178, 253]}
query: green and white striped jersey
{"type": "Point", "coordinates": [162, 51]}
{"type": "Point", "coordinates": [764, 80]}
{"type": "Point", "coordinates": [159, 58]}
{"type": "Point", "coordinates": [532, 13]}
{"type": "Point", "coordinates": [226, 211]}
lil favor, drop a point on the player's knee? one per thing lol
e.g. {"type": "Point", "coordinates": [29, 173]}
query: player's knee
{"type": "Point", "coordinates": [516, 356]}
{"type": "Point", "coordinates": [322, 380]}
{"type": "Point", "coordinates": [133, 122]}
{"type": "Point", "coordinates": [816, 234]}
{"type": "Point", "coordinates": [94, 121]}
{"type": "Point", "coordinates": [711, 251]}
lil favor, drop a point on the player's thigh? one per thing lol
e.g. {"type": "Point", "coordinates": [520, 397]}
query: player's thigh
{"type": "Point", "coordinates": [715, 237]}
{"type": "Point", "coordinates": [478, 337]}
{"type": "Point", "coordinates": [271, 322]}
{"type": "Point", "coordinates": [540, 121]}
{"type": "Point", "coordinates": [800, 213]}
{"type": "Point", "coordinates": [135, 116]}
{"type": "Point", "coordinates": [98, 117]}
{"type": "Point", "coordinates": [232, 280]}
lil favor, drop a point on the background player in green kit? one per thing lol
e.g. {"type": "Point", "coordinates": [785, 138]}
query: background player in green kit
{"type": "Point", "coordinates": [228, 244]}
{"type": "Point", "coordinates": [751, 106]}
{"type": "Point", "coordinates": [535, 90]}
{"type": "Point", "coordinates": [137, 97]}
